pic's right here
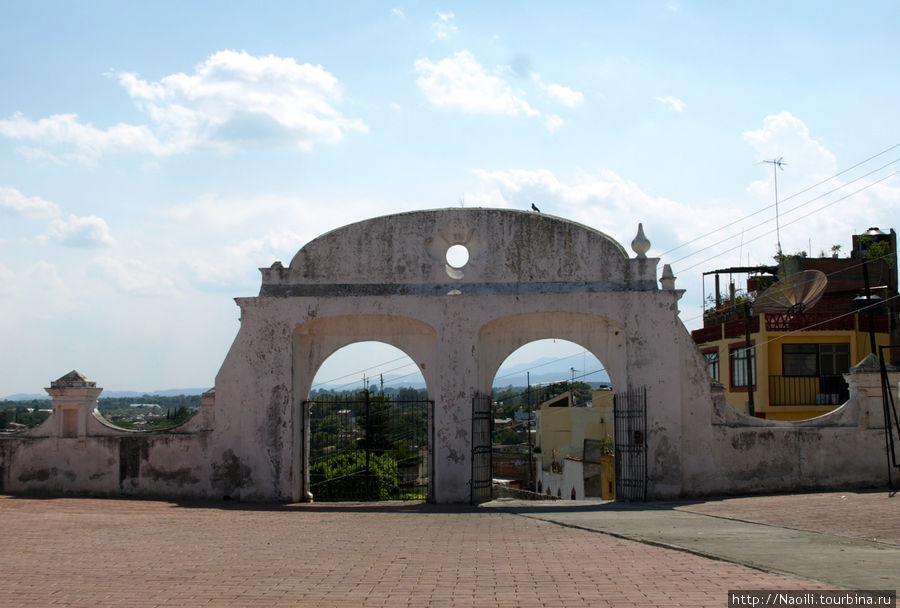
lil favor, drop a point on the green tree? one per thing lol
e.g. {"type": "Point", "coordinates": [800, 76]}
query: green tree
{"type": "Point", "coordinates": [507, 436]}
{"type": "Point", "coordinates": [343, 477]}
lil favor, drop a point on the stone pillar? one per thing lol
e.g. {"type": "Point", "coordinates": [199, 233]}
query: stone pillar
{"type": "Point", "coordinates": [74, 400]}
{"type": "Point", "coordinates": [864, 381]}
{"type": "Point", "coordinates": [207, 408]}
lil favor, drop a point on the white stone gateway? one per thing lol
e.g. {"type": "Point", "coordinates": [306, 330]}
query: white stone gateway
{"type": "Point", "coordinates": [513, 277]}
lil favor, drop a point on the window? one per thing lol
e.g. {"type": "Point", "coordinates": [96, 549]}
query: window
{"type": "Point", "coordinates": [712, 363]}
{"type": "Point", "coordinates": [818, 360]}
{"type": "Point", "coordinates": [738, 358]}
{"type": "Point", "coordinates": [799, 359]}
{"type": "Point", "coordinates": [834, 359]}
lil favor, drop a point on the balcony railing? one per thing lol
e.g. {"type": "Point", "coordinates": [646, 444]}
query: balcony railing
{"type": "Point", "coordinates": [808, 390]}
{"type": "Point", "coordinates": [787, 321]}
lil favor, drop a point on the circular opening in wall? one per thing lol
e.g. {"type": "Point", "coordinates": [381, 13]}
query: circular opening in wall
{"type": "Point", "coordinates": [457, 256]}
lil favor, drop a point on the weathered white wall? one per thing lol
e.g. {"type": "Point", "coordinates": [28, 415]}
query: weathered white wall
{"type": "Point", "coordinates": [529, 276]}
{"type": "Point", "coordinates": [102, 459]}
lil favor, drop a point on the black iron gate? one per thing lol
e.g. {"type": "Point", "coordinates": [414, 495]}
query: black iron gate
{"type": "Point", "coordinates": [368, 447]}
{"type": "Point", "coordinates": [630, 418]}
{"type": "Point", "coordinates": [482, 450]}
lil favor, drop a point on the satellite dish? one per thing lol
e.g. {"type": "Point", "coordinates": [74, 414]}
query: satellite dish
{"type": "Point", "coordinates": [794, 293]}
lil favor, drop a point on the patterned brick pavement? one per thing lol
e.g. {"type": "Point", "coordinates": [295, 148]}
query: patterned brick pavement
{"type": "Point", "coordinates": [99, 553]}
{"type": "Point", "coordinates": [867, 515]}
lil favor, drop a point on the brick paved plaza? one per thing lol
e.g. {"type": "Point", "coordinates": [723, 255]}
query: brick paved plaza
{"type": "Point", "coordinates": [90, 552]}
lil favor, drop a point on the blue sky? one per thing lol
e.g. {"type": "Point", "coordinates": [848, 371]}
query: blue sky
{"type": "Point", "coordinates": [154, 155]}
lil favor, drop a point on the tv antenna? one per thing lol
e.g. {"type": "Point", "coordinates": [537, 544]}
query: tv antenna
{"type": "Point", "coordinates": [777, 163]}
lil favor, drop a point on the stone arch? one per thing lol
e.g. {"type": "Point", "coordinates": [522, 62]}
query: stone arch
{"type": "Point", "coordinates": [316, 340]}
{"type": "Point", "coordinates": [602, 337]}
{"type": "Point", "coordinates": [528, 276]}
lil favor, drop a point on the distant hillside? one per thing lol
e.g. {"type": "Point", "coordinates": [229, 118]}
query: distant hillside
{"type": "Point", "coordinates": [171, 392]}
{"type": "Point", "coordinates": [542, 370]}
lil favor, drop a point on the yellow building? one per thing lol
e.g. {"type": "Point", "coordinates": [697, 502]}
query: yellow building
{"type": "Point", "coordinates": [798, 358]}
{"type": "Point", "coordinates": [562, 428]}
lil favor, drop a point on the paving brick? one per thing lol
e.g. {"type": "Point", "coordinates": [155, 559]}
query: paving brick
{"type": "Point", "coordinates": [91, 552]}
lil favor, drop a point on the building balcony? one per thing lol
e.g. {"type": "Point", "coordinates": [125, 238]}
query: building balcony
{"type": "Point", "coordinates": [807, 390]}
{"type": "Point", "coordinates": [819, 321]}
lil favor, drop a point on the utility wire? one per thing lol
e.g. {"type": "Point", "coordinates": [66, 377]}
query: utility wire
{"type": "Point", "coordinates": [357, 373]}
{"type": "Point", "coordinates": [830, 274]}
{"type": "Point", "coordinates": [756, 238]}
{"type": "Point", "coordinates": [838, 174]}
{"type": "Point", "coordinates": [788, 212]}
{"type": "Point", "coordinates": [808, 327]}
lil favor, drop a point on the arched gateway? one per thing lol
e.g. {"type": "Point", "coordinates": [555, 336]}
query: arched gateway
{"type": "Point", "coordinates": [528, 276]}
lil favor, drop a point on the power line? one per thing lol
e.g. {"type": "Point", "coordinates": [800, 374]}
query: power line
{"type": "Point", "coordinates": [834, 202]}
{"type": "Point", "coordinates": [830, 274]}
{"type": "Point", "coordinates": [796, 194]}
{"type": "Point", "coordinates": [357, 373]}
{"type": "Point", "coordinates": [808, 327]}
{"type": "Point", "coordinates": [801, 205]}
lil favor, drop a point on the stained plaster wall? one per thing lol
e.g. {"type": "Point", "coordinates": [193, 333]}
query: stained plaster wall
{"type": "Point", "coordinates": [529, 276]}
{"type": "Point", "coordinates": [102, 459]}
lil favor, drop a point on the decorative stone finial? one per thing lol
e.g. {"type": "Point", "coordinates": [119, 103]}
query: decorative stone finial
{"type": "Point", "coordinates": [640, 245]}
{"type": "Point", "coordinates": [667, 280]}
{"type": "Point", "coordinates": [73, 379]}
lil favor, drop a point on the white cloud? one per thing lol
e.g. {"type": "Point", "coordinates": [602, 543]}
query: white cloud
{"type": "Point", "coordinates": [232, 237]}
{"type": "Point", "coordinates": [7, 285]}
{"type": "Point", "coordinates": [43, 278]}
{"type": "Point", "coordinates": [398, 12]}
{"type": "Point", "coordinates": [603, 199]}
{"type": "Point", "coordinates": [553, 122]}
{"type": "Point", "coordinates": [806, 161]}
{"type": "Point", "coordinates": [88, 141]}
{"type": "Point", "coordinates": [89, 231]}
{"type": "Point", "coordinates": [133, 276]}
{"type": "Point", "coordinates": [232, 100]}
{"type": "Point", "coordinates": [565, 95]}
{"type": "Point", "coordinates": [562, 94]}
{"type": "Point", "coordinates": [817, 218]}
{"type": "Point", "coordinates": [673, 102]}
{"type": "Point", "coordinates": [461, 82]}
{"type": "Point", "coordinates": [444, 26]}
{"type": "Point", "coordinates": [31, 207]}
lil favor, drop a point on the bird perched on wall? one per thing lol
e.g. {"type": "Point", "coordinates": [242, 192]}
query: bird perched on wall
{"type": "Point", "coordinates": [534, 208]}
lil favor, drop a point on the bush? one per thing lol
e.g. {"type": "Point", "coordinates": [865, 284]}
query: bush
{"type": "Point", "coordinates": [343, 477]}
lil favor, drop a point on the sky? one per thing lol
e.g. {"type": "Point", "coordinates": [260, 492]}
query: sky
{"type": "Point", "coordinates": [153, 156]}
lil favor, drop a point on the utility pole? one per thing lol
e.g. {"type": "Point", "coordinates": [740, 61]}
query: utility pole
{"type": "Point", "coordinates": [777, 163]}
{"type": "Point", "coordinates": [530, 414]}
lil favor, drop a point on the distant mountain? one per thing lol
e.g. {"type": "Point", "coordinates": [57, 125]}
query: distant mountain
{"type": "Point", "coordinates": [543, 370]}
{"type": "Point", "coordinates": [549, 369]}
{"type": "Point", "coordinates": [171, 392]}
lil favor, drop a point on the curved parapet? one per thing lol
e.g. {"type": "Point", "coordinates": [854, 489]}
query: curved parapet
{"type": "Point", "coordinates": [502, 250]}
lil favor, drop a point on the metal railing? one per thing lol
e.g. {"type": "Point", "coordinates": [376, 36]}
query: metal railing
{"type": "Point", "coordinates": [808, 390]}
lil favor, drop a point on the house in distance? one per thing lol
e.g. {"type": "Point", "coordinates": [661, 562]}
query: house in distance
{"type": "Point", "coordinates": [802, 324]}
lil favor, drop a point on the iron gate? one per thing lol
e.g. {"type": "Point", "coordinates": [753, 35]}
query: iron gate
{"type": "Point", "coordinates": [630, 419]}
{"type": "Point", "coordinates": [368, 447]}
{"type": "Point", "coordinates": [482, 450]}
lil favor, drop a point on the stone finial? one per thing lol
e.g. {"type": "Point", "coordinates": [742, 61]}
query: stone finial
{"type": "Point", "coordinates": [667, 280]}
{"type": "Point", "coordinates": [640, 245]}
{"type": "Point", "coordinates": [870, 365]}
{"type": "Point", "coordinates": [73, 379]}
